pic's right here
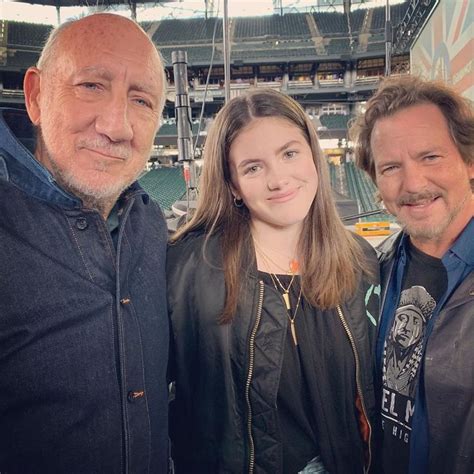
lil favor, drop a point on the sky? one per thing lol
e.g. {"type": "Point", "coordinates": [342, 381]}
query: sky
{"type": "Point", "coordinates": [19, 11]}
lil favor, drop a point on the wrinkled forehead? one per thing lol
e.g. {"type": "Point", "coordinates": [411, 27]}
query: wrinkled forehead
{"type": "Point", "coordinates": [123, 53]}
{"type": "Point", "coordinates": [108, 34]}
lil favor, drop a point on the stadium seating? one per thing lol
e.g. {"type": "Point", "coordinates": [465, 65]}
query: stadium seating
{"type": "Point", "coordinates": [338, 46]}
{"type": "Point", "coordinates": [27, 34]}
{"type": "Point", "coordinates": [196, 54]}
{"type": "Point", "coordinates": [281, 37]}
{"type": "Point", "coordinates": [165, 185]}
{"type": "Point", "coordinates": [397, 12]}
{"type": "Point", "coordinates": [334, 121]}
{"type": "Point", "coordinates": [290, 25]}
{"type": "Point", "coordinates": [376, 47]}
{"type": "Point", "coordinates": [332, 175]}
{"type": "Point", "coordinates": [194, 30]}
{"type": "Point", "coordinates": [357, 20]}
{"type": "Point", "coordinates": [361, 188]}
{"type": "Point", "coordinates": [22, 59]}
{"type": "Point", "coordinates": [331, 23]}
{"type": "Point", "coordinates": [168, 130]}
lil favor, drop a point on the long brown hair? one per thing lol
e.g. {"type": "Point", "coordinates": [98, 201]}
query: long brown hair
{"type": "Point", "coordinates": [330, 257]}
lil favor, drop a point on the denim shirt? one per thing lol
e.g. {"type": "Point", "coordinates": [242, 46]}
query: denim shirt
{"type": "Point", "coordinates": [83, 324]}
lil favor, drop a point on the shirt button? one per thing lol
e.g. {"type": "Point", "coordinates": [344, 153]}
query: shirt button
{"type": "Point", "coordinates": [135, 395]}
{"type": "Point", "coordinates": [125, 301]}
{"type": "Point", "coordinates": [81, 223]}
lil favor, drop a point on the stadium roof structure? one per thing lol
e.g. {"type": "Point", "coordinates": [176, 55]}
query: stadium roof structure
{"type": "Point", "coordinates": [82, 3]}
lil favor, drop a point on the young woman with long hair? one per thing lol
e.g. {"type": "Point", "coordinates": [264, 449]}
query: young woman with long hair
{"type": "Point", "coordinates": [269, 299]}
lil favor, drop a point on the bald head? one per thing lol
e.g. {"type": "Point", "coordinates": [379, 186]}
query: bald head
{"type": "Point", "coordinates": [102, 27]}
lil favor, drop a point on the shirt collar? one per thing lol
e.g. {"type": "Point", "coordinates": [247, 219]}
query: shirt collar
{"type": "Point", "coordinates": [20, 167]}
{"type": "Point", "coordinates": [463, 247]}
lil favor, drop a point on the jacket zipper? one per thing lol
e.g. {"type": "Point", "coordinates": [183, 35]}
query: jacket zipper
{"type": "Point", "coordinates": [359, 390]}
{"type": "Point", "coordinates": [250, 374]}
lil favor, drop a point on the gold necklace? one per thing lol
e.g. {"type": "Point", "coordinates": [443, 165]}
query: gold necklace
{"type": "Point", "coordinates": [286, 291]}
{"type": "Point", "coordinates": [292, 268]}
{"type": "Point", "coordinates": [286, 299]}
{"type": "Point", "coordinates": [292, 319]}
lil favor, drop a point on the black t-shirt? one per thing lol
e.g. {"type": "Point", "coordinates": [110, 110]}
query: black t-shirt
{"type": "Point", "coordinates": [295, 414]}
{"type": "Point", "coordinates": [424, 284]}
{"type": "Point", "coordinates": [307, 372]}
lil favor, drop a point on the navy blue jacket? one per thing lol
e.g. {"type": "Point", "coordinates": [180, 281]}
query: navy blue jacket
{"type": "Point", "coordinates": [83, 326]}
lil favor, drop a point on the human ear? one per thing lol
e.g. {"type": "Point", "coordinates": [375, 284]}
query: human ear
{"type": "Point", "coordinates": [234, 191]}
{"type": "Point", "coordinates": [31, 88]}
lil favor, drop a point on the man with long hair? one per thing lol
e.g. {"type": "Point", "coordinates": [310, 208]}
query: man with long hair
{"type": "Point", "coordinates": [416, 141]}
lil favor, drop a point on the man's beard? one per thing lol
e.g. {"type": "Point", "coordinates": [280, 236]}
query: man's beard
{"type": "Point", "coordinates": [101, 198]}
{"type": "Point", "coordinates": [427, 232]}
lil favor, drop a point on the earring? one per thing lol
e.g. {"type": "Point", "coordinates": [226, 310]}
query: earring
{"type": "Point", "coordinates": [238, 202]}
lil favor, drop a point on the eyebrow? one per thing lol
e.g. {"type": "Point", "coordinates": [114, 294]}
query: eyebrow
{"type": "Point", "coordinates": [97, 70]}
{"type": "Point", "coordinates": [436, 150]}
{"type": "Point", "coordinates": [284, 147]}
{"type": "Point", "coordinates": [287, 145]}
{"type": "Point", "coordinates": [105, 74]}
{"type": "Point", "coordinates": [246, 162]}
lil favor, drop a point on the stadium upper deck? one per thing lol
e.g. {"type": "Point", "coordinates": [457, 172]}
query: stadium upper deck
{"type": "Point", "coordinates": [307, 55]}
{"type": "Point", "coordinates": [314, 33]}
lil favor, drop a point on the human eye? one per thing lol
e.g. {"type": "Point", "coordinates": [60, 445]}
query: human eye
{"type": "Point", "coordinates": [90, 86]}
{"type": "Point", "coordinates": [388, 170]}
{"type": "Point", "coordinates": [430, 158]}
{"type": "Point", "coordinates": [142, 102]}
{"type": "Point", "coordinates": [290, 154]}
{"type": "Point", "coordinates": [251, 169]}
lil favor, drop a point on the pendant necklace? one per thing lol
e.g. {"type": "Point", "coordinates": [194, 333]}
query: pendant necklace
{"type": "Point", "coordinates": [286, 298]}
{"type": "Point", "coordinates": [285, 292]}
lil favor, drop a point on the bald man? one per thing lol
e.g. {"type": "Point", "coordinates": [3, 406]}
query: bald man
{"type": "Point", "coordinates": [83, 322]}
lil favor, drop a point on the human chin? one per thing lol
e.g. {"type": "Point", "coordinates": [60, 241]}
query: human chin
{"type": "Point", "coordinates": [91, 183]}
{"type": "Point", "coordinates": [431, 230]}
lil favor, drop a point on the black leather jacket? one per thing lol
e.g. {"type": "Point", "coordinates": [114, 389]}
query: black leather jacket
{"type": "Point", "coordinates": [448, 373]}
{"type": "Point", "coordinates": [224, 418]}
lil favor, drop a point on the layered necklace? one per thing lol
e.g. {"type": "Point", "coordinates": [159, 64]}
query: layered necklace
{"type": "Point", "coordinates": [282, 290]}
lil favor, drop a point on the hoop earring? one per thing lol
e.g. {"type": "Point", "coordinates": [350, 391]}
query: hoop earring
{"type": "Point", "coordinates": [238, 202]}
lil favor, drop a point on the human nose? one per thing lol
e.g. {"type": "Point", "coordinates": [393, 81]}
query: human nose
{"type": "Point", "coordinates": [276, 178]}
{"type": "Point", "coordinates": [413, 179]}
{"type": "Point", "coordinates": [114, 121]}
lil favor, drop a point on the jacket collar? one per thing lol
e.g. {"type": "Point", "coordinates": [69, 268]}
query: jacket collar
{"type": "Point", "coordinates": [19, 166]}
{"type": "Point", "coordinates": [391, 245]}
{"type": "Point", "coordinates": [462, 247]}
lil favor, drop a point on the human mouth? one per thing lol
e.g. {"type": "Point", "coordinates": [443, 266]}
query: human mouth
{"type": "Point", "coordinates": [283, 197]}
{"type": "Point", "coordinates": [418, 202]}
{"type": "Point", "coordinates": [105, 148]}
{"type": "Point", "coordinates": [108, 154]}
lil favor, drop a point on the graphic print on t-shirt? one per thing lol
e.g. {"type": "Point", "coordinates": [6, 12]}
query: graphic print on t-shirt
{"type": "Point", "coordinates": [404, 345]}
{"type": "Point", "coordinates": [403, 353]}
